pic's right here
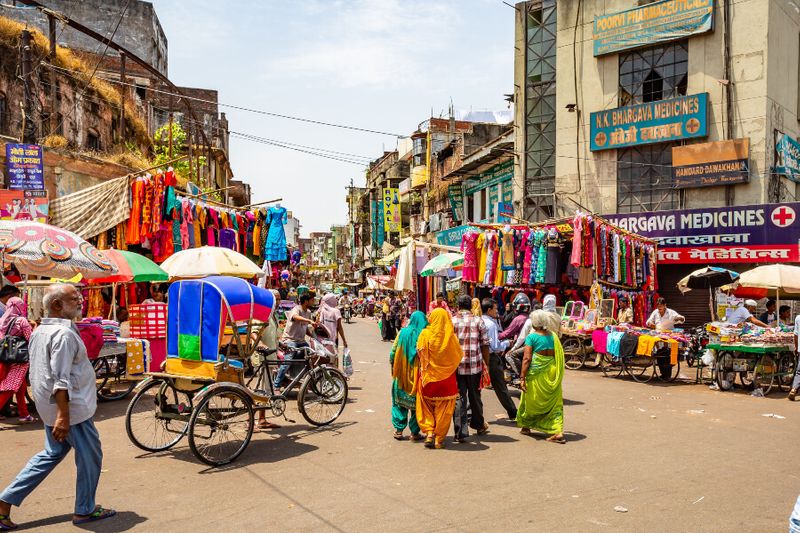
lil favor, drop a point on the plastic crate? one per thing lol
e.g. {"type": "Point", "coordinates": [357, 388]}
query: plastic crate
{"type": "Point", "coordinates": [148, 321]}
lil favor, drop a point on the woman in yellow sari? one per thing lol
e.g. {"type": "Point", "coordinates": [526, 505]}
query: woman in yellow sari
{"type": "Point", "coordinates": [439, 354]}
{"type": "Point", "coordinates": [541, 406]}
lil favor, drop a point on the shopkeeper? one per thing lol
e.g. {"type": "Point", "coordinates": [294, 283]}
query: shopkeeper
{"type": "Point", "coordinates": [744, 313]}
{"type": "Point", "coordinates": [625, 313]}
{"type": "Point", "coordinates": [769, 316]}
{"type": "Point", "coordinates": [663, 318]}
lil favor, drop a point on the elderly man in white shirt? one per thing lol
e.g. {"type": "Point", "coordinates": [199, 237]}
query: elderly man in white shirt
{"type": "Point", "coordinates": [64, 390]}
{"type": "Point", "coordinates": [663, 318]}
{"type": "Point", "coordinates": [744, 313]}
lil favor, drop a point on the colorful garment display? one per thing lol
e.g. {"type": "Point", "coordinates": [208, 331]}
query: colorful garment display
{"type": "Point", "coordinates": [275, 246]}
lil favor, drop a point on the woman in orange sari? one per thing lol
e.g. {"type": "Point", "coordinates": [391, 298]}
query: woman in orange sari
{"type": "Point", "coordinates": [439, 354]}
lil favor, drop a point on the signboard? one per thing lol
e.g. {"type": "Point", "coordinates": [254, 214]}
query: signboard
{"type": "Point", "coordinates": [709, 164]}
{"type": "Point", "coordinates": [508, 193]}
{"type": "Point", "coordinates": [456, 200]}
{"type": "Point", "coordinates": [452, 236]}
{"type": "Point", "coordinates": [503, 210]}
{"type": "Point", "coordinates": [391, 210]}
{"type": "Point", "coordinates": [788, 162]}
{"type": "Point", "coordinates": [25, 164]}
{"type": "Point", "coordinates": [679, 118]}
{"type": "Point", "coordinates": [764, 233]}
{"type": "Point", "coordinates": [378, 235]}
{"type": "Point", "coordinates": [24, 205]}
{"type": "Point", "coordinates": [419, 176]}
{"type": "Point", "coordinates": [494, 198]}
{"type": "Point", "coordinates": [659, 22]}
{"type": "Point", "coordinates": [498, 173]}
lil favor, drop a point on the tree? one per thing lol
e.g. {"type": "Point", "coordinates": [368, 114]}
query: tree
{"type": "Point", "coordinates": [179, 148]}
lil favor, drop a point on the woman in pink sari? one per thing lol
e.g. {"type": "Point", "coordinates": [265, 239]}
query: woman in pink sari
{"type": "Point", "coordinates": [13, 375]}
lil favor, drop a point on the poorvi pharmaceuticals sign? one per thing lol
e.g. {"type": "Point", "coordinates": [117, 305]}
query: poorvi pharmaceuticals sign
{"type": "Point", "coordinates": [668, 20]}
{"type": "Point", "coordinates": [685, 117]}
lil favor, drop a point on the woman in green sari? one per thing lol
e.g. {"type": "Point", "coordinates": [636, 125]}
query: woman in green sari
{"type": "Point", "coordinates": [404, 363]}
{"type": "Point", "coordinates": [541, 406]}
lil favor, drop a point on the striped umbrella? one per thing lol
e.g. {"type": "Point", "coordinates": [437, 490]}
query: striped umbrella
{"type": "Point", "coordinates": [442, 262]}
{"type": "Point", "coordinates": [132, 267]}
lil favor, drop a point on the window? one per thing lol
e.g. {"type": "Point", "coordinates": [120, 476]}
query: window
{"type": "Point", "coordinates": [644, 179]}
{"type": "Point", "coordinates": [93, 140]}
{"type": "Point", "coordinates": [3, 112]}
{"type": "Point", "coordinates": [653, 74]}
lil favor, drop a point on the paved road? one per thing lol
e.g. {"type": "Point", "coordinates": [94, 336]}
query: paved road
{"type": "Point", "coordinates": [677, 457]}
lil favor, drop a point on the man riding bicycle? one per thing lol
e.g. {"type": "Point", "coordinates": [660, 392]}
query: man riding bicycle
{"type": "Point", "coordinates": [298, 319]}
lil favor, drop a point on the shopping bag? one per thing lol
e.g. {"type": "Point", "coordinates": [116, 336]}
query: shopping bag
{"type": "Point", "coordinates": [347, 363]}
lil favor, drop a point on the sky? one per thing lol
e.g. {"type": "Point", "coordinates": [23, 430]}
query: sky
{"type": "Point", "coordinates": [383, 65]}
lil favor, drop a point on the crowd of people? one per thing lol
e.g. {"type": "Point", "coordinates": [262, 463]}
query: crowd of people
{"type": "Point", "coordinates": [441, 361]}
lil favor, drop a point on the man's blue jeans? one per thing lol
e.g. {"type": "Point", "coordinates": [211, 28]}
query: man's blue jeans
{"type": "Point", "coordinates": [287, 356]}
{"type": "Point", "coordinates": [794, 520]}
{"type": "Point", "coordinates": [85, 440]}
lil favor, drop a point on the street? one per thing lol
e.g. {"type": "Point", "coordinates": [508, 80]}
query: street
{"type": "Point", "coordinates": [677, 457]}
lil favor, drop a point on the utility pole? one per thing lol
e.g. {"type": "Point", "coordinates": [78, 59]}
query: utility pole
{"type": "Point", "coordinates": [123, 89]}
{"type": "Point", "coordinates": [29, 129]}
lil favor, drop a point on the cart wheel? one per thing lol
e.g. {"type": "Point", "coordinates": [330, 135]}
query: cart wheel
{"type": "Point", "coordinates": [667, 372]}
{"type": "Point", "coordinates": [723, 373]}
{"type": "Point", "coordinates": [221, 426]}
{"type": "Point", "coordinates": [786, 371]}
{"type": "Point", "coordinates": [158, 415]}
{"type": "Point", "coordinates": [322, 396]}
{"type": "Point", "coordinates": [610, 368]}
{"type": "Point", "coordinates": [764, 373]}
{"type": "Point", "coordinates": [573, 353]}
{"type": "Point", "coordinates": [110, 378]}
{"type": "Point", "coordinates": [642, 374]}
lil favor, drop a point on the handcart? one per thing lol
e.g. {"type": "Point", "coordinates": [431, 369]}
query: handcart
{"type": "Point", "coordinates": [761, 366]}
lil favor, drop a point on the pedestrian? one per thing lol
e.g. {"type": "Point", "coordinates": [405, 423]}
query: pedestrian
{"type": "Point", "coordinates": [14, 323]}
{"type": "Point", "coordinates": [269, 339]}
{"type": "Point", "coordinates": [439, 355]}
{"type": "Point", "coordinates": [396, 315]}
{"type": "Point", "coordinates": [388, 332]}
{"type": "Point", "coordinates": [541, 406]}
{"type": "Point", "coordinates": [625, 313]}
{"type": "Point", "coordinates": [474, 340]}
{"type": "Point", "coordinates": [330, 317]}
{"type": "Point", "coordinates": [496, 349]}
{"type": "Point", "coordinates": [549, 306]}
{"type": "Point", "coordinates": [522, 306]}
{"type": "Point", "coordinates": [6, 293]}
{"type": "Point", "coordinates": [65, 393]}
{"type": "Point", "coordinates": [405, 369]}
{"type": "Point", "coordinates": [439, 303]}
{"type": "Point", "coordinates": [796, 380]}
{"type": "Point", "coordinates": [476, 307]}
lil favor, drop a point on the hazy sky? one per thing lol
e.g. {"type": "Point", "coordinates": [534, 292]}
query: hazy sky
{"type": "Point", "coordinates": [378, 64]}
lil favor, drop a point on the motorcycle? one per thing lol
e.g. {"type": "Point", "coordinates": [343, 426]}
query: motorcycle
{"type": "Point", "coordinates": [319, 346]}
{"type": "Point", "coordinates": [696, 347]}
{"type": "Point", "coordinates": [510, 373]}
{"type": "Point", "coordinates": [346, 312]}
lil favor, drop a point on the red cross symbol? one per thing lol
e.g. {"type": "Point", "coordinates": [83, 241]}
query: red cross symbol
{"type": "Point", "coordinates": [783, 216]}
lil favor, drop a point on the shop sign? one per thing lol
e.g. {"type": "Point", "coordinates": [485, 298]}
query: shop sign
{"type": "Point", "coordinates": [452, 236]}
{"type": "Point", "coordinates": [504, 209]}
{"type": "Point", "coordinates": [25, 165]}
{"type": "Point", "coordinates": [788, 151]}
{"type": "Point", "coordinates": [391, 210]}
{"type": "Point", "coordinates": [24, 205]}
{"type": "Point", "coordinates": [497, 174]}
{"type": "Point", "coordinates": [494, 198]}
{"type": "Point", "coordinates": [404, 186]}
{"type": "Point", "coordinates": [419, 176]}
{"type": "Point", "coordinates": [765, 233]}
{"type": "Point", "coordinates": [378, 235]}
{"type": "Point", "coordinates": [679, 118]}
{"type": "Point", "coordinates": [710, 164]}
{"type": "Point", "coordinates": [659, 22]}
{"type": "Point", "coordinates": [456, 200]}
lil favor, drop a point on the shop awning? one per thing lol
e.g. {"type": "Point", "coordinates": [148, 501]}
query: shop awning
{"type": "Point", "coordinates": [94, 210]}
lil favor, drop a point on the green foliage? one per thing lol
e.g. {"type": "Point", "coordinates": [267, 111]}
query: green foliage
{"type": "Point", "coordinates": [179, 148]}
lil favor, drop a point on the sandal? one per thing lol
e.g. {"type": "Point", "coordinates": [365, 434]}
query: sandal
{"type": "Point", "coordinates": [557, 439]}
{"type": "Point", "coordinates": [429, 442]}
{"type": "Point", "coordinates": [525, 431]}
{"type": "Point", "coordinates": [7, 527]}
{"type": "Point", "coordinates": [398, 435]}
{"type": "Point", "coordinates": [99, 514]}
{"type": "Point", "coordinates": [27, 420]}
{"type": "Point", "coordinates": [439, 445]}
{"type": "Point", "coordinates": [416, 437]}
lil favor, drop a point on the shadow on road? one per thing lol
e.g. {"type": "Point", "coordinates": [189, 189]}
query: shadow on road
{"type": "Point", "coordinates": [122, 521]}
{"type": "Point", "coordinates": [572, 402]}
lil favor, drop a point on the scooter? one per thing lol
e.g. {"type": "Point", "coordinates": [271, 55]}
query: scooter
{"type": "Point", "coordinates": [696, 346]}
{"type": "Point", "coordinates": [346, 312]}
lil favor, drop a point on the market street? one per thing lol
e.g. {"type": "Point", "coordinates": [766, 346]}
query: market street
{"type": "Point", "coordinates": [677, 457]}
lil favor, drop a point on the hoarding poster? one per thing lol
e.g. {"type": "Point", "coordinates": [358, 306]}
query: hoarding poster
{"type": "Point", "coordinates": [24, 205]}
{"type": "Point", "coordinates": [710, 164]}
{"type": "Point", "coordinates": [391, 210]}
{"type": "Point", "coordinates": [25, 165]}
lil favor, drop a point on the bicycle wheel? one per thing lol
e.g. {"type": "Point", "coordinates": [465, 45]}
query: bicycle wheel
{"type": "Point", "coordinates": [573, 353]}
{"type": "Point", "coordinates": [610, 368]}
{"type": "Point", "coordinates": [641, 373]}
{"type": "Point", "coordinates": [101, 373]}
{"type": "Point", "coordinates": [786, 371]}
{"type": "Point", "coordinates": [322, 396]}
{"type": "Point", "coordinates": [158, 416]}
{"type": "Point", "coordinates": [115, 384]}
{"type": "Point", "coordinates": [764, 374]}
{"type": "Point", "coordinates": [221, 426]}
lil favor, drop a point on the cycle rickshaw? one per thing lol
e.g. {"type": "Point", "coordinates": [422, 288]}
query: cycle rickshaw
{"type": "Point", "coordinates": [214, 325]}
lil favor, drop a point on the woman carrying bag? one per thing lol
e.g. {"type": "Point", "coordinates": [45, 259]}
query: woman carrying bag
{"type": "Point", "coordinates": [13, 371]}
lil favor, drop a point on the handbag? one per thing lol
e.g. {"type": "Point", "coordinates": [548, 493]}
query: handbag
{"type": "Point", "coordinates": [13, 348]}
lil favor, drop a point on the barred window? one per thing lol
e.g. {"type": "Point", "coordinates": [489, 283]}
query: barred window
{"type": "Point", "coordinates": [644, 179]}
{"type": "Point", "coordinates": [653, 74]}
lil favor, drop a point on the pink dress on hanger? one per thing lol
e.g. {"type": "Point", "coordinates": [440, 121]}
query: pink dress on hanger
{"type": "Point", "coordinates": [470, 271]}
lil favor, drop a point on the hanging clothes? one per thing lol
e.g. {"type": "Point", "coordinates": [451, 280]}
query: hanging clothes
{"type": "Point", "coordinates": [506, 243]}
{"type": "Point", "coordinates": [275, 248]}
{"type": "Point", "coordinates": [470, 270]}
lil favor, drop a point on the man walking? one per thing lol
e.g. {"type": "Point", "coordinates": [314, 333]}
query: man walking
{"type": "Point", "coordinates": [496, 349]}
{"type": "Point", "coordinates": [63, 388]}
{"type": "Point", "coordinates": [471, 333]}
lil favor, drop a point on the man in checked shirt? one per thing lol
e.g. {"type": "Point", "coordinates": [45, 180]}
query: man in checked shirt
{"type": "Point", "coordinates": [473, 336]}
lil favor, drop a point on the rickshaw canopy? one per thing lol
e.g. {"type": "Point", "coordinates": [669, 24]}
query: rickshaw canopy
{"type": "Point", "coordinates": [199, 309]}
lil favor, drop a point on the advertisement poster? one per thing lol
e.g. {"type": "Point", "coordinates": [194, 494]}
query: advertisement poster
{"type": "Point", "coordinates": [765, 233]}
{"type": "Point", "coordinates": [452, 236]}
{"type": "Point", "coordinates": [456, 200]}
{"type": "Point", "coordinates": [685, 117]}
{"type": "Point", "coordinates": [503, 210]}
{"type": "Point", "coordinates": [24, 205]}
{"type": "Point", "coordinates": [710, 164]}
{"type": "Point", "coordinates": [659, 22]}
{"type": "Point", "coordinates": [25, 164]}
{"type": "Point", "coordinates": [788, 162]}
{"type": "Point", "coordinates": [391, 210]}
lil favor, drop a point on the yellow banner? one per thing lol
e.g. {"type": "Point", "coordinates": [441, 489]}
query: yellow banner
{"type": "Point", "coordinates": [391, 210]}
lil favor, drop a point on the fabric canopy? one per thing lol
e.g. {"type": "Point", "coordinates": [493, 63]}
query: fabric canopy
{"type": "Point", "coordinates": [94, 210]}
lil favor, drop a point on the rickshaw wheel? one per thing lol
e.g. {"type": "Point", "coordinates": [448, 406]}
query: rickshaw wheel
{"type": "Point", "coordinates": [640, 373]}
{"type": "Point", "coordinates": [108, 371]}
{"type": "Point", "coordinates": [157, 417]}
{"type": "Point", "coordinates": [221, 426]}
{"type": "Point", "coordinates": [610, 367]}
{"type": "Point", "coordinates": [322, 396]}
{"type": "Point", "coordinates": [723, 371]}
{"type": "Point", "coordinates": [764, 374]}
{"type": "Point", "coordinates": [573, 353]}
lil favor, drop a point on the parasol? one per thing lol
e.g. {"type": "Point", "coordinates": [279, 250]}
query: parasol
{"type": "Point", "coordinates": [776, 280]}
{"type": "Point", "coordinates": [442, 262]}
{"type": "Point", "coordinates": [43, 250]}
{"type": "Point", "coordinates": [132, 267]}
{"type": "Point", "coordinates": [707, 278]}
{"type": "Point", "coordinates": [209, 261]}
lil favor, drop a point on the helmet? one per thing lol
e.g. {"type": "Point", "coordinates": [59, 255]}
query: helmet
{"type": "Point", "coordinates": [521, 302]}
